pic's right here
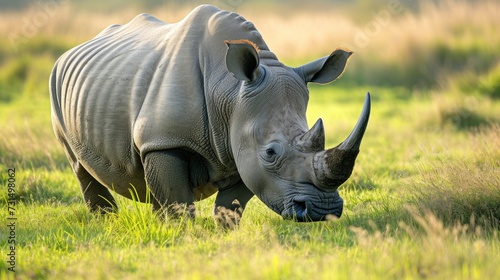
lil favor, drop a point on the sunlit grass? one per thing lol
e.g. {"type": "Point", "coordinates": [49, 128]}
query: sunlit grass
{"type": "Point", "coordinates": [400, 165]}
{"type": "Point", "coordinates": [422, 201]}
{"type": "Point", "coordinates": [462, 184]}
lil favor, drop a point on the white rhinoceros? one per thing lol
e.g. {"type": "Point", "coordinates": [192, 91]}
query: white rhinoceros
{"type": "Point", "coordinates": [184, 110]}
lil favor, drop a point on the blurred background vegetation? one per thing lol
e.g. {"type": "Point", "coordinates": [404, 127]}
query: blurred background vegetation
{"type": "Point", "coordinates": [419, 45]}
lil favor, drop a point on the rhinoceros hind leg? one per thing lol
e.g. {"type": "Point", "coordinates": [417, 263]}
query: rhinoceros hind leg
{"type": "Point", "coordinates": [167, 175]}
{"type": "Point", "coordinates": [96, 196]}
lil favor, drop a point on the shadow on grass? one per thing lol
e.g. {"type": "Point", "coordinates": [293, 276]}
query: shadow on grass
{"type": "Point", "coordinates": [462, 118]}
{"type": "Point", "coordinates": [461, 112]}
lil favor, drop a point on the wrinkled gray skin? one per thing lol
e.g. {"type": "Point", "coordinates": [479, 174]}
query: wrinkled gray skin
{"type": "Point", "coordinates": [194, 108]}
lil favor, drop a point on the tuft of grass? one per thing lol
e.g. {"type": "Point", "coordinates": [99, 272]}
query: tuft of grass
{"type": "Point", "coordinates": [445, 252]}
{"type": "Point", "coordinates": [464, 186]}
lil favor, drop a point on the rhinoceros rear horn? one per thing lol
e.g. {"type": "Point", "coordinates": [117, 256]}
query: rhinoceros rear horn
{"type": "Point", "coordinates": [242, 59]}
{"type": "Point", "coordinates": [313, 140]}
{"type": "Point", "coordinates": [334, 166]}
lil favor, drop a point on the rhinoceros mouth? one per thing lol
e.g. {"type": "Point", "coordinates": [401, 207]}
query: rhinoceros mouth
{"type": "Point", "coordinates": [311, 208]}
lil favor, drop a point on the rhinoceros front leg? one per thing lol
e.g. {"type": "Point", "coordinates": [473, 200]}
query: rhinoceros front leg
{"type": "Point", "coordinates": [230, 203]}
{"type": "Point", "coordinates": [167, 175]}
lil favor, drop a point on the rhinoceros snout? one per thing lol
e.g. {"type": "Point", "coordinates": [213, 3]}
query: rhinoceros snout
{"type": "Point", "coordinates": [304, 209]}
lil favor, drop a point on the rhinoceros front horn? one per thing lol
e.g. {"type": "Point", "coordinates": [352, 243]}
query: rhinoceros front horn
{"type": "Point", "coordinates": [334, 166]}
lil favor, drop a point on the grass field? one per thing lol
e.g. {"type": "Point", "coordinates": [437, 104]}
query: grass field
{"type": "Point", "coordinates": [423, 200]}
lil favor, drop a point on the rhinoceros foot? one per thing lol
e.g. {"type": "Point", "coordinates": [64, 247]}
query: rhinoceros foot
{"type": "Point", "coordinates": [228, 218]}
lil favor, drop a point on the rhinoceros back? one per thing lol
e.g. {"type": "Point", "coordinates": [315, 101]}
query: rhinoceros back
{"type": "Point", "coordinates": [141, 87]}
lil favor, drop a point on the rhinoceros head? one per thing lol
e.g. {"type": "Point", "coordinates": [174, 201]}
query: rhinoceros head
{"type": "Point", "coordinates": [278, 158]}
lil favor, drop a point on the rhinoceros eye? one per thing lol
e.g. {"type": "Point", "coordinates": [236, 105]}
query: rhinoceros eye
{"type": "Point", "coordinates": [271, 152]}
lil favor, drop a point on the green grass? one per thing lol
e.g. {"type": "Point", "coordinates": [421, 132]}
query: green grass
{"type": "Point", "coordinates": [401, 165]}
{"type": "Point", "coordinates": [423, 200]}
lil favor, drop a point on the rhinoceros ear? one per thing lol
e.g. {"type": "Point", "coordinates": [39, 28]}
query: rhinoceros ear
{"type": "Point", "coordinates": [326, 69]}
{"type": "Point", "coordinates": [242, 59]}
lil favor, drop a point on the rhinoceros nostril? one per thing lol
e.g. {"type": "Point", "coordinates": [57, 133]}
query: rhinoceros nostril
{"type": "Point", "coordinates": [300, 210]}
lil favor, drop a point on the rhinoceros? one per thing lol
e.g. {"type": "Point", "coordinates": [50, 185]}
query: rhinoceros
{"type": "Point", "coordinates": [173, 113]}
